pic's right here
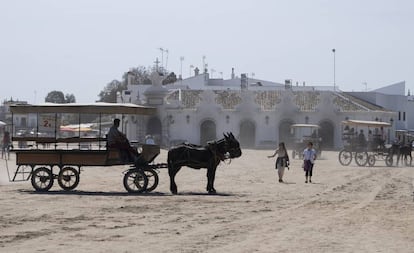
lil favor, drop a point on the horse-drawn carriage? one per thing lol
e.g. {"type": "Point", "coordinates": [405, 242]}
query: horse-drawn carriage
{"type": "Point", "coordinates": [366, 149]}
{"type": "Point", "coordinates": [54, 156]}
{"type": "Point", "coordinates": [302, 134]}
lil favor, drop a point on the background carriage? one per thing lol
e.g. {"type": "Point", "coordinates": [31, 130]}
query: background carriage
{"type": "Point", "coordinates": [366, 143]}
{"type": "Point", "coordinates": [302, 134]}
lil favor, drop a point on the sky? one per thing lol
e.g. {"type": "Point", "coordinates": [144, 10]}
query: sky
{"type": "Point", "coordinates": [78, 46]}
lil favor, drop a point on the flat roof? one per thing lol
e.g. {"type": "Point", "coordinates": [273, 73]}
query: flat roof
{"type": "Point", "coordinates": [93, 108]}
{"type": "Point", "coordinates": [366, 123]}
{"type": "Point", "coordinates": [305, 125]}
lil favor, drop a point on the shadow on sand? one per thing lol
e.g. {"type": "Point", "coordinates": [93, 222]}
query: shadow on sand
{"type": "Point", "coordinates": [110, 194]}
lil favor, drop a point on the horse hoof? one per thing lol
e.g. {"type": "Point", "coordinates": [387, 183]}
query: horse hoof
{"type": "Point", "coordinates": [212, 192]}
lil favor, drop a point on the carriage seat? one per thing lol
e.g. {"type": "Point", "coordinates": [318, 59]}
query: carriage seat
{"type": "Point", "coordinates": [113, 156]}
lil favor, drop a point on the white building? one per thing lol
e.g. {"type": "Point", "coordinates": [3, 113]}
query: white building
{"type": "Point", "coordinates": [258, 112]}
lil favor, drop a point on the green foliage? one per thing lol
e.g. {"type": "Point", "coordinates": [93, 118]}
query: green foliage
{"type": "Point", "coordinates": [137, 75]}
{"type": "Point", "coordinates": [109, 93]}
{"type": "Point", "coordinates": [57, 97]}
{"type": "Point", "coordinates": [171, 78]}
{"type": "Point", "coordinates": [70, 98]}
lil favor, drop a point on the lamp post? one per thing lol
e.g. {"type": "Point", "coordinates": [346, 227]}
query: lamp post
{"type": "Point", "coordinates": [389, 130]}
{"type": "Point", "coordinates": [334, 81]}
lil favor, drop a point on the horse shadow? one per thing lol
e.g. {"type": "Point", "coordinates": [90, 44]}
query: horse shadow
{"type": "Point", "coordinates": [113, 193]}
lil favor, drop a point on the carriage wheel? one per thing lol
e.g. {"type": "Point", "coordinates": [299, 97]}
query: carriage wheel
{"type": "Point", "coordinates": [361, 158]}
{"type": "Point", "coordinates": [389, 160]}
{"type": "Point", "coordinates": [371, 160]}
{"type": "Point", "coordinates": [345, 157]}
{"type": "Point", "coordinates": [153, 179]}
{"type": "Point", "coordinates": [135, 181]}
{"type": "Point", "coordinates": [42, 179]}
{"type": "Point", "coordinates": [68, 178]}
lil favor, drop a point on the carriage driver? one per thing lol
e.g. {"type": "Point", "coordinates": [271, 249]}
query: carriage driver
{"type": "Point", "coordinates": [118, 140]}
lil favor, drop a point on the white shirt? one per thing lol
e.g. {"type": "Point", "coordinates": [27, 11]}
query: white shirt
{"type": "Point", "coordinates": [309, 154]}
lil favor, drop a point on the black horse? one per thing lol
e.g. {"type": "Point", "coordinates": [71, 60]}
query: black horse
{"type": "Point", "coordinates": [405, 152]}
{"type": "Point", "coordinates": [198, 157]}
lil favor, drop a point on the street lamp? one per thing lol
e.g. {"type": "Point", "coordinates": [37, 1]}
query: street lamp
{"type": "Point", "coordinates": [333, 51]}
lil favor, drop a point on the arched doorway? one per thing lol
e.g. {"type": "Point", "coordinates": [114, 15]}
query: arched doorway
{"type": "Point", "coordinates": [154, 128]}
{"type": "Point", "coordinates": [247, 135]}
{"type": "Point", "coordinates": [207, 132]}
{"type": "Point", "coordinates": [326, 132]}
{"type": "Point", "coordinates": [285, 134]}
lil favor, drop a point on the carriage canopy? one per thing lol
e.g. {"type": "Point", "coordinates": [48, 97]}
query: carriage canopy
{"type": "Point", "coordinates": [365, 123]}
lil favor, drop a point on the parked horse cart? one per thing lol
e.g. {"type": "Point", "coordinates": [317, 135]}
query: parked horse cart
{"type": "Point", "coordinates": [302, 135]}
{"type": "Point", "coordinates": [51, 154]}
{"type": "Point", "coordinates": [365, 141]}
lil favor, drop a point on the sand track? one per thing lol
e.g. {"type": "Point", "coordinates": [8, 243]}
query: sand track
{"type": "Point", "coordinates": [346, 209]}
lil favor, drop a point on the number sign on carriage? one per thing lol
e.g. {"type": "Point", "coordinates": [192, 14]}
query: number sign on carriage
{"type": "Point", "coordinates": [47, 123]}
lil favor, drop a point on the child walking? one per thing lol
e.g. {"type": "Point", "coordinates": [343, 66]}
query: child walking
{"type": "Point", "coordinates": [282, 160]}
{"type": "Point", "coordinates": [309, 156]}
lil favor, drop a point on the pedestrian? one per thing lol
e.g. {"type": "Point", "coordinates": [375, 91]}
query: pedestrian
{"type": "Point", "coordinates": [309, 156]}
{"type": "Point", "coordinates": [282, 160]}
{"type": "Point", "coordinates": [5, 148]}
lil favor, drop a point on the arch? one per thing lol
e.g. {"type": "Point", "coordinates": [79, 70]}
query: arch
{"type": "Point", "coordinates": [285, 134]}
{"type": "Point", "coordinates": [326, 132]}
{"type": "Point", "coordinates": [154, 128]}
{"type": "Point", "coordinates": [247, 136]}
{"type": "Point", "coordinates": [207, 132]}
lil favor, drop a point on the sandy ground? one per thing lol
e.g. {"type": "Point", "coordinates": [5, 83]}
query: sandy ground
{"type": "Point", "coordinates": [345, 209]}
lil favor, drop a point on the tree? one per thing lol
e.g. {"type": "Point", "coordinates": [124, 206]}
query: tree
{"type": "Point", "coordinates": [56, 97]}
{"type": "Point", "coordinates": [138, 75]}
{"type": "Point", "coordinates": [110, 90]}
{"type": "Point", "coordinates": [70, 98]}
{"type": "Point", "coordinates": [171, 78]}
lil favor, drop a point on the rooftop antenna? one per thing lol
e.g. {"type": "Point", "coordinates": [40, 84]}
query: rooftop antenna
{"type": "Point", "coordinates": [366, 86]}
{"type": "Point", "coordinates": [191, 69]}
{"type": "Point", "coordinates": [166, 60]}
{"type": "Point", "coordinates": [181, 67]}
{"type": "Point", "coordinates": [204, 64]}
{"type": "Point", "coordinates": [212, 72]}
{"type": "Point", "coordinates": [162, 56]}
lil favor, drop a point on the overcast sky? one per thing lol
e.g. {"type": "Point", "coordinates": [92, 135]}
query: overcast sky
{"type": "Point", "coordinates": [78, 46]}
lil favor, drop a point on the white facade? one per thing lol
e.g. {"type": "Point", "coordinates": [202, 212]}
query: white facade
{"type": "Point", "coordinates": [259, 113]}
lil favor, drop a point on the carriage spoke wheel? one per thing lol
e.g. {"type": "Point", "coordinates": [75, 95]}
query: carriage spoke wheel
{"type": "Point", "coordinates": [68, 178]}
{"type": "Point", "coordinates": [371, 160]}
{"type": "Point", "coordinates": [153, 179]}
{"type": "Point", "coordinates": [42, 179]}
{"type": "Point", "coordinates": [361, 158]}
{"type": "Point", "coordinates": [345, 157]}
{"type": "Point", "coordinates": [135, 181]}
{"type": "Point", "coordinates": [389, 160]}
